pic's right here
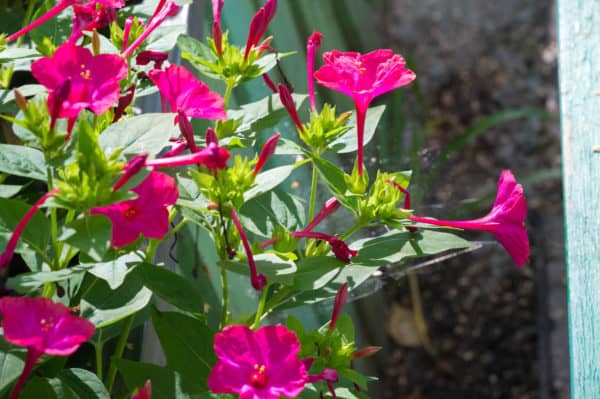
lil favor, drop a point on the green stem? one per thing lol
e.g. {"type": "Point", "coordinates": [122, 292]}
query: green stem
{"type": "Point", "coordinates": [48, 290]}
{"type": "Point", "coordinates": [174, 230]}
{"type": "Point", "coordinates": [225, 303]}
{"type": "Point", "coordinates": [261, 307]}
{"type": "Point", "coordinates": [26, 20]}
{"type": "Point", "coordinates": [351, 231]}
{"type": "Point", "coordinates": [272, 303]}
{"type": "Point", "coordinates": [98, 347]}
{"type": "Point", "coordinates": [230, 84]}
{"type": "Point", "coordinates": [313, 193]}
{"type": "Point", "coordinates": [151, 250]}
{"type": "Point", "coordinates": [112, 370]}
{"type": "Point", "coordinates": [56, 247]}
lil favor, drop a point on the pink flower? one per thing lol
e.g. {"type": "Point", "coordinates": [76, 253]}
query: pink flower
{"type": "Point", "coordinates": [217, 31]}
{"type": "Point", "coordinates": [147, 214]}
{"type": "Point", "coordinates": [213, 157]}
{"type": "Point", "coordinates": [9, 251]}
{"type": "Point", "coordinates": [183, 92]}
{"type": "Point", "coordinates": [94, 79]}
{"type": "Point", "coordinates": [147, 56]}
{"type": "Point", "coordinates": [506, 220]}
{"type": "Point", "coordinates": [261, 364]}
{"type": "Point", "coordinates": [43, 327]}
{"type": "Point", "coordinates": [90, 16]}
{"type": "Point", "coordinates": [363, 77]}
{"type": "Point", "coordinates": [164, 9]}
{"type": "Point", "coordinates": [312, 46]}
{"type": "Point", "coordinates": [339, 247]}
{"type": "Point", "coordinates": [267, 150]}
{"type": "Point", "coordinates": [258, 25]}
{"type": "Point", "coordinates": [145, 392]}
{"type": "Point", "coordinates": [257, 280]}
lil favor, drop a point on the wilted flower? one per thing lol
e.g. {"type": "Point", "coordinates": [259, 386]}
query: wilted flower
{"type": "Point", "coordinates": [147, 214]}
{"type": "Point", "coordinates": [43, 327]}
{"type": "Point", "coordinates": [261, 364]}
{"type": "Point", "coordinates": [257, 280]}
{"type": "Point", "coordinates": [506, 220]}
{"type": "Point", "coordinates": [363, 77]}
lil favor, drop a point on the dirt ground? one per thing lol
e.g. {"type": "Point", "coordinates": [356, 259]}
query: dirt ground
{"type": "Point", "coordinates": [495, 331]}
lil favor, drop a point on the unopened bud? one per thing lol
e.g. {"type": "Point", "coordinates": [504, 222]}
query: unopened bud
{"type": "Point", "coordinates": [212, 206]}
{"type": "Point", "coordinates": [367, 351]}
{"type": "Point", "coordinates": [211, 136]}
{"type": "Point", "coordinates": [343, 118]}
{"type": "Point", "coordinates": [20, 100]}
{"type": "Point", "coordinates": [95, 42]}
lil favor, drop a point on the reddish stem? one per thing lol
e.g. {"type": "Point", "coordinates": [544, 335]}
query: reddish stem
{"type": "Point", "coordinates": [51, 13]}
{"type": "Point", "coordinates": [32, 356]}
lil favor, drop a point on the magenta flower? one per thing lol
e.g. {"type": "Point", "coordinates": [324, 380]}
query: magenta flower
{"type": "Point", "coordinates": [217, 31]}
{"type": "Point", "coordinates": [506, 220]}
{"type": "Point", "coordinates": [130, 169]}
{"type": "Point", "coordinates": [90, 16]}
{"type": "Point", "coordinates": [288, 102]}
{"type": "Point", "coordinates": [258, 25]}
{"type": "Point", "coordinates": [363, 77]}
{"type": "Point", "coordinates": [145, 392]}
{"type": "Point", "coordinates": [183, 92]}
{"type": "Point", "coordinates": [94, 79]}
{"type": "Point", "coordinates": [164, 9]}
{"type": "Point", "coordinates": [257, 280]}
{"type": "Point", "coordinates": [312, 46]}
{"type": "Point", "coordinates": [339, 247]}
{"type": "Point", "coordinates": [9, 251]}
{"type": "Point", "coordinates": [213, 157]}
{"type": "Point", "coordinates": [147, 56]}
{"type": "Point", "coordinates": [43, 327]}
{"type": "Point", "coordinates": [261, 364]}
{"type": "Point", "coordinates": [147, 214]}
{"type": "Point", "coordinates": [266, 152]}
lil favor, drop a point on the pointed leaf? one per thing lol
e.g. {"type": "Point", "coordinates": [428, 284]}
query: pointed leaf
{"type": "Point", "coordinates": [22, 161]}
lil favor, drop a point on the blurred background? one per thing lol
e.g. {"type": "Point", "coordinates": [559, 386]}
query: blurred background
{"type": "Point", "coordinates": [485, 99]}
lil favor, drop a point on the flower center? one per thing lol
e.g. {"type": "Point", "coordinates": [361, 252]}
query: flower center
{"type": "Point", "coordinates": [259, 378]}
{"type": "Point", "coordinates": [361, 69]}
{"type": "Point", "coordinates": [85, 72]}
{"type": "Point", "coordinates": [130, 213]}
{"type": "Point", "coordinates": [47, 324]}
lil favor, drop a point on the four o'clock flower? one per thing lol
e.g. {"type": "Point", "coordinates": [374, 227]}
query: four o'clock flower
{"type": "Point", "coordinates": [213, 157]}
{"type": "Point", "coordinates": [164, 9]}
{"type": "Point", "coordinates": [217, 31]}
{"type": "Point", "coordinates": [90, 16]}
{"type": "Point", "coordinates": [43, 327]}
{"type": "Point", "coordinates": [288, 102]}
{"type": "Point", "coordinates": [258, 281]}
{"type": "Point", "coordinates": [506, 220]}
{"type": "Point", "coordinates": [9, 251]}
{"type": "Point", "coordinates": [363, 77]}
{"type": "Point", "coordinates": [147, 214]}
{"type": "Point", "coordinates": [145, 392]}
{"type": "Point", "coordinates": [94, 80]}
{"type": "Point", "coordinates": [266, 152]}
{"type": "Point", "coordinates": [338, 246]}
{"type": "Point", "coordinates": [147, 56]}
{"type": "Point", "coordinates": [330, 206]}
{"type": "Point", "coordinates": [261, 364]}
{"type": "Point", "coordinates": [182, 91]}
{"type": "Point", "coordinates": [258, 25]}
{"type": "Point", "coordinates": [338, 303]}
{"type": "Point", "coordinates": [312, 46]}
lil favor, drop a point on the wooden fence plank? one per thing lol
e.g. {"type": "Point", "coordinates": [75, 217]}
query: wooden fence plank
{"type": "Point", "coordinates": [579, 70]}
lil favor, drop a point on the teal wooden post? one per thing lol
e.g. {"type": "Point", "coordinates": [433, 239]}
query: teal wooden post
{"type": "Point", "coordinates": [579, 67]}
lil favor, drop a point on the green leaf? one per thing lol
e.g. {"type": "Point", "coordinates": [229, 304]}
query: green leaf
{"type": "Point", "coordinates": [83, 383]}
{"type": "Point", "coordinates": [91, 235]}
{"type": "Point", "coordinates": [37, 388]}
{"type": "Point", "coordinates": [17, 53]}
{"type": "Point", "coordinates": [144, 133]}
{"type": "Point", "coordinates": [166, 383]}
{"type": "Point", "coordinates": [187, 343]}
{"type": "Point", "coordinates": [113, 271]}
{"type": "Point", "coordinates": [276, 269]}
{"type": "Point", "coordinates": [104, 306]}
{"type": "Point", "coordinates": [263, 213]}
{"type": "Point", "coordinates": [171, 287]}
{"type": "Point", "coordinates": [347, 142]}
{"type": "Point", "coordinates": [37, 232]}
{"type": "Point", "coordinates": [7, 96]}
{"type": "Point", "coordinates": [268, 180]}
{"type": "Point", "coordinates": [316, 271]}
{"type": "Point", "coordinates": [22, 161]}
{"type": "Point", "coordinates": [355, 377]}
{"type": "Point", "coordinates": [394, 246]}
{"type": "Point", "coordinates": [11, 364]}
{"type": "Point", "coordinates": [9, 190]}
{"type": "Point", "coordinates": [334, 179]}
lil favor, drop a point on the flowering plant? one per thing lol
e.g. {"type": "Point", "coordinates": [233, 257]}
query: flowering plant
{"type": "Point", "coordinates": [93, 190]}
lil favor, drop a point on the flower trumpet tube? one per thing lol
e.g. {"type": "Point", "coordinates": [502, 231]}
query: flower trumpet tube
{"type": "Point", "coordinates": [363, 77]}
{"type": "Point", "coordinates": [9, 251]}
{"type": "Point", "coordinates": [258, 25]}
{"type": "Point", "coordinates": [132, 167]}
{"type": "Point", "coordinates": [126, 32]}
{"type": "Point", "coordinates": [213, 157]}
{"type": "Point", "coordinates": [288, 102]}
{"type": "Point", "coordinates": [330, 206]}
{"type": "Point", "coordinates": [506, 220]}
{"type": "Point", "coordinates": [217, 31]}
{"type": "Point", "coordinates": [44, 327]}
{"type": "Point", "coordinates": [312, 46]}
{"type": "Point", "coordinates": [339, 247]}
{"type": "Point", "coordinates": [163, 10]}
{"type": "Point", "coordinates": [266, 152]}
{"type": "Point", "coordinates": [258, 280]}
{"type": "Point", "coordinates": [269, 82]}
{"type": "Point", "coordinates": [51, 13]}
